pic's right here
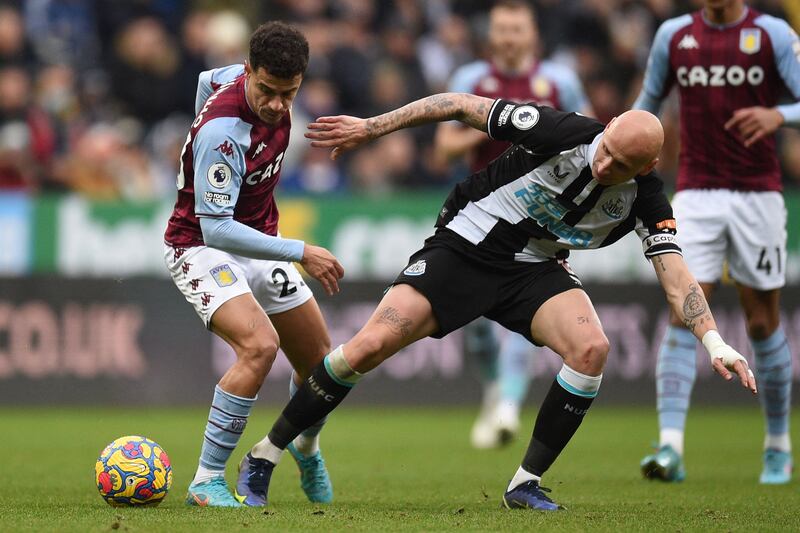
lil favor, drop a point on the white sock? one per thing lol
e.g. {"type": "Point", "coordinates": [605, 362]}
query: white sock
{"type": "Point", "coordinates": [778, 442]}
{"type": "Point", "coordinates": [521, 477]}
{"type": "Point", "coordinates": [307, 445]}
{"type": "Point", "coordinates": [203, 474]}
{"type": "Point", "coordinates": [264, 449]}
{"type": "Point", "coordinates": [673, 437]}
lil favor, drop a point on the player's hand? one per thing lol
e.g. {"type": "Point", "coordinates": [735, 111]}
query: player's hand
{"type": "Point", "coordinates": [754, 123]}
{"type": "Point", "coordinates": [322, 266]}
{"type": "Point", "coordinates": [725, 359]}
{"type": "Point", "coordinates": [342, 133]}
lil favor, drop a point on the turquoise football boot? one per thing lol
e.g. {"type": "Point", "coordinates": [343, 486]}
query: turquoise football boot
{"type": "Point", "coordinates": [314, 478]}
{"type": "Point", "coordinates": [212, 493]}
{"type": "Point", "coordinates": [777, 467]}
{"type": "Point", "coordinates": [665, 465]}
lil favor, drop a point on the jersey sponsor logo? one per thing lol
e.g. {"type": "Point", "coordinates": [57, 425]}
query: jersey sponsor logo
{"type": "Point", "coordinates": [614, 207]}
{"type": "Point", "coordinates": [688, 42]}
{"type": "Point", "coordinates": [719, 75]}
{"type": "Point", "coordinates": [750, 40]}
{"type": "Point", "coordinates": [259, 149]}
{"type": "Point", "coordinates": [219, 175]}
{"type": "Point", "coordinates": [416, 269]}
{"type": "Point", "coordinates": [544, 209]}
{"type": "Point", "coordinates": [525, 117]}
{"type": "Point", "coordinates": [223, 275]}
{"type": "Point", "coordinates": [217, 198]}
{"type": "Point", "coordinates": [226, 148]}
{"type": "Point", "coordinates": [503, 118]}
{"type": "Point", "coordinates": [260, 175]}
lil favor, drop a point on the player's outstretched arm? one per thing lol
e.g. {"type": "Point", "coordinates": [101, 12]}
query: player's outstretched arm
{"type": "Point", "coordinates": [688, 302]}
{"type": "Point", "coordinates": [343, 133]}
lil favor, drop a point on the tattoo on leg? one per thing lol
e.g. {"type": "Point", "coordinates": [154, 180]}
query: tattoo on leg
{"type": "Point", "coordinates": [391, 317]}
{"type": "Point", "coordinates": [588, 320]}
{"type": "Point", "coordinates": [660, 263]}
{"type": "Point", "coordinates": [694, 306]}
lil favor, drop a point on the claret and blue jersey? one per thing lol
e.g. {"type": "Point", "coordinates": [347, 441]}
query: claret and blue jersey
{"type": "Point", "coordinates": [545, 83]}
{"type": "Point", "coordinates": [717, 70]}
{"type": "Point", "coordinates": [230, 163]}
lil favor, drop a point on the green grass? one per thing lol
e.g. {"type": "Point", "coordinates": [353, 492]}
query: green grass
{"type": "Point", "coordinates": [400, 469]}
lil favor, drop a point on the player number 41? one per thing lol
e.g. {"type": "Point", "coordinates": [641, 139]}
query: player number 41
{"type": "Point", "coordinates": [765, 264]}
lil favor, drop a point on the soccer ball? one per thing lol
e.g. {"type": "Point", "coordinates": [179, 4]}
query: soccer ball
{"type": "Point", "coordinates": [133, 470]}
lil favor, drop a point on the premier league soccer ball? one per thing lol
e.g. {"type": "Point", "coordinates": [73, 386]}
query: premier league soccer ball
{"type": "Point", "coordinates": [133, 471]}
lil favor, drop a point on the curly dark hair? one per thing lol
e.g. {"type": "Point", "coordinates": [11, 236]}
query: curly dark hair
{"type": "Point", "coordinates": [280, 49]}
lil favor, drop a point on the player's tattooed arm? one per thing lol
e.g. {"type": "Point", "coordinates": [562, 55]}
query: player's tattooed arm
{"type": "Point", "coordinates": [343, 133]}
{"type": "Point", "coordinates": [467, 108]}
{"type": "Point", "coordinates": [684, 294]}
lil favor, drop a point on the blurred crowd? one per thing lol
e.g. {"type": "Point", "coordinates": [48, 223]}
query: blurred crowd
{"type": "Point", "coordinates": [96, 96]}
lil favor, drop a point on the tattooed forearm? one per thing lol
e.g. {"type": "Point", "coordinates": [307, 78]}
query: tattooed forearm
{"type": "Point", "coordinates": [391, 317]}
{"type": "Point", "coordinates": [695, 308]}
{"type": "Point", "coordinates": [470, 109]}
{"type": "Point", "coordinates": [660, 262]}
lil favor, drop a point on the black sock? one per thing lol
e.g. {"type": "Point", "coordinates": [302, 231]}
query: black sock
{"type": "Point", "coordinates": [316, 397]}
{"type": "Point", "coordinates": [559, 417]}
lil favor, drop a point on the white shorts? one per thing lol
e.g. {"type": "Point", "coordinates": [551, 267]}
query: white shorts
{"type": "Point", "coordinates": [208, 278]}
{"type": "Point", "coordinates": [747, 228]}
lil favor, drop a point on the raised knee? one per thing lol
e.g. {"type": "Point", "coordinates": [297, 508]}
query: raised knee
{"type": "Point", "coordinates": [592, 355]}
{"type": "Point", "coordinates": [259, 354]}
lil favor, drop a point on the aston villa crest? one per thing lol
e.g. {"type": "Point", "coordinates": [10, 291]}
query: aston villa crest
{"type": "Point", "coordinates": [750, 40]}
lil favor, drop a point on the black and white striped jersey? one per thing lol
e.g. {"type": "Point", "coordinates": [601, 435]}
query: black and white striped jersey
{"type": "Point", "coordinates": [538, 199]}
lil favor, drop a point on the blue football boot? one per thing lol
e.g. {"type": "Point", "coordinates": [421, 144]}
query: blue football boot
{"type": "Point", "coordinates": [314, 478]}
{"type": "Point", "coordinates": [529, 495]}
{"type": "Point", "coordinates": [212, 493]}
{"type": "Point", "coordinates": [666, 465]}
{"type": "Point", "coordinates": [777, 467]}
{"type": "Point", "coordinates": [252, 484]}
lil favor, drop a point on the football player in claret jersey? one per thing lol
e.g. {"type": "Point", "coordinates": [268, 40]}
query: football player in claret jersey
{"type": "Point", "coordinates": [731, 65]}
{"type": "Point", "coordinates": [499, 251]}
{"type": "Point", "coordinates": [224, 253]}
{"type": "Point", "coordinates": [513, 71]}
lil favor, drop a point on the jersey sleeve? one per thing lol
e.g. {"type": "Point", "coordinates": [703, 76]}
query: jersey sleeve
{"type": "Point", "coordinates": [655, 223]}
{"type": "Point", "coordinates": [786, 48]}
{"type": "Point", "coordinates": [540, 129]}
{"type": "Point", "coordinates": [218, 169]}
{"type": "Point", "coordinates": [210, 80]}
{"type": "Point", "coordinates": [657, 78]}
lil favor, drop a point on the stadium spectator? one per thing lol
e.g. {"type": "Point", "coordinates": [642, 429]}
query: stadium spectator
{"type": "Point", "coordinates": [123, 53]}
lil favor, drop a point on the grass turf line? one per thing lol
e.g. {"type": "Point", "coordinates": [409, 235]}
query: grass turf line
{"type": "Point", "coordinates": [401, 470]}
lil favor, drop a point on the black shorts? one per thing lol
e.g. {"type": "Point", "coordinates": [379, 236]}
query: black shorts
{"type": "Point", "coordinates": [462, 283]}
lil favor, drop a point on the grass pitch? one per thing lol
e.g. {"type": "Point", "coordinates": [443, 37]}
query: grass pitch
{"type": "Point", "coordinates": [400, 469]}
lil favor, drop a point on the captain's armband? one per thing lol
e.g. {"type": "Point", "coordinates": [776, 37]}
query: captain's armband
{"type": "Point", "coordinates": [661, 239]}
